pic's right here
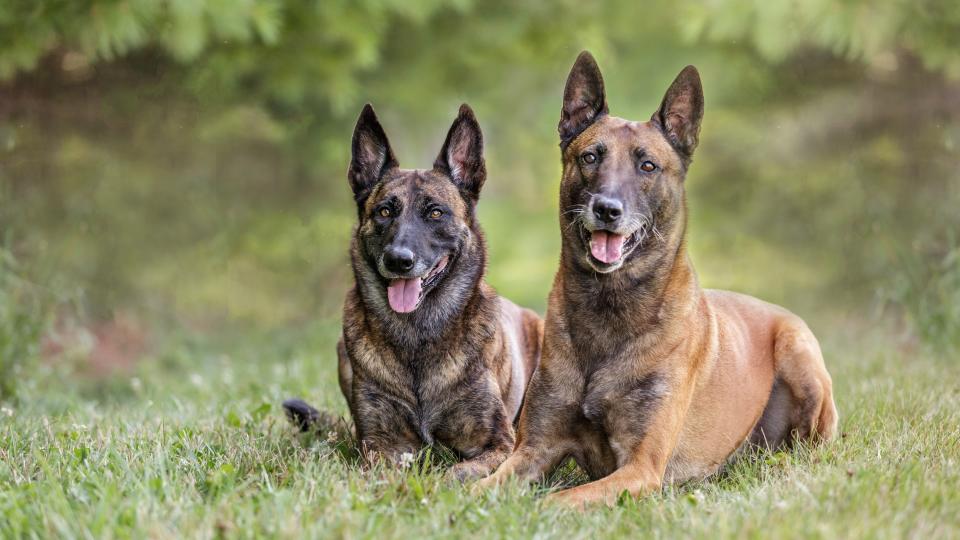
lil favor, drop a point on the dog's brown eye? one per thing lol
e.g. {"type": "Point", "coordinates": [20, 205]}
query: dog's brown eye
{"type": "Point", "coordinates": [589, 158]}
{"type": "Point", "coordinates": [435, 214]}
{"type": "Point", "coordinates": [385, 212]}
{"type": "Point", "coordinates": [648, 166]}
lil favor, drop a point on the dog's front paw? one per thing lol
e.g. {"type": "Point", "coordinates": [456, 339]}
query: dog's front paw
{"type": "Point", "coordinates": [466, 471]}
{"type": "Point", "coordinates": [568, 499]}
{"type": "Point", "coordinates": [484, 484]}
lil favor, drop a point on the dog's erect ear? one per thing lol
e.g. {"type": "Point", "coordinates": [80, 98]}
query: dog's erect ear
{"type": "Point", "coordinates": [584, 99]}
{"type": "Point", "coordinates": [681, 112]}
{"type": "Point", "coordinates": [461, 157]}
{"type": "Point", "coordinates": [371, 154]}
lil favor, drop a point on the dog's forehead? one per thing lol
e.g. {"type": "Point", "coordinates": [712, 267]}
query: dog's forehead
{"type": "Point", "coordinates": [417, 185]}
{"type": "Point", "coordinates": [615, 133]}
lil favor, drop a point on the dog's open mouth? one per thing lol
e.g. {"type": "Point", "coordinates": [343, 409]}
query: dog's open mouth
{"type": "Point", "coordinates": [608, 247]}
{"type": "Point", "coordinates": [404, 294]}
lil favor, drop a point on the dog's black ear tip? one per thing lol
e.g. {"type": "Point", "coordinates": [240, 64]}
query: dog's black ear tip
{"type": "Point", "coordinates": [367, 114]}
{"type": "Point", "coordinates": [585, 72]}
{"type": "Point", "coordinates": [587, 64]}
{"type": "Point", "coordinates": [586, 56]}
{"type": "Point", "coordinates": [690, 74]}
{"type": "Point", "coordinates": [466, 112]}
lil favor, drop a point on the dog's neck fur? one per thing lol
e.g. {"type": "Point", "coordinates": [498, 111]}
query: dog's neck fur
{"type": "Point", "coordinates": [649, 284]}
{"type": "Point", "coordinates": [443, 310]}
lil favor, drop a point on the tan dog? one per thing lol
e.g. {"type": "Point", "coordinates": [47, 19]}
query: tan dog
{"type": "Point", "coordinates": [645, 377]}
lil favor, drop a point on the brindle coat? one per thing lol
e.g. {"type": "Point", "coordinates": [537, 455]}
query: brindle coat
{"type": "Point", "coordinates": [646, 378]}
{"type": "Point", "coordinates": [454, 369]}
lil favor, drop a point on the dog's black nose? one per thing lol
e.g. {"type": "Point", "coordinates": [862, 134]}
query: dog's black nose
{"type": "Point", "coordinates": [398, 260]}
{"type": "Point", "coordinates": [606, 209]}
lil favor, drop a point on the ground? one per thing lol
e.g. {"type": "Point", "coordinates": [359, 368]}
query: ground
{"type": "Point", "coordinates": [192, 443]}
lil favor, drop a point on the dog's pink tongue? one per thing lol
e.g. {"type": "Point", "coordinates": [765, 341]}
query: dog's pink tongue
{"type": "Point", "coordinates": [606, 247]}
{"type": "Point", "coordinates": [404, 294]}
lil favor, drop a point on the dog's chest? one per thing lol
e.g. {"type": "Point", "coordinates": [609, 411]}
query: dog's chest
{"type": "Point", "coordinates": [443, 390]}
{"type": "Point", "coordinates": [608, 398]}
{"type": "Point", "coordinates": [622, 407]}
{"type": "Point", "coordinates": [454, 415]}
{"type": "Point", "coordinates": [439, 390]}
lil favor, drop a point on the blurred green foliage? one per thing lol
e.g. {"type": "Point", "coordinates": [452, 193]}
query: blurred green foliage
{"type": "Point", "coordinates": [853, 30]}
{"type": "Point", "coordinates": [930, 293]}
{"type": "Point", "coordinates": [184, 161]}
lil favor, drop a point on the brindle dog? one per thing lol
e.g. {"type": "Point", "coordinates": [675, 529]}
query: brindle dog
{"type": "Point", "coordinates": [429, 352]}
{"type": "Point", "coordinates": [646, 378]}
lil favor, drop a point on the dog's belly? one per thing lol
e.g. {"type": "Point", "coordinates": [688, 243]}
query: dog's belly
{"type": "Point", "coordinates": [731, 392]}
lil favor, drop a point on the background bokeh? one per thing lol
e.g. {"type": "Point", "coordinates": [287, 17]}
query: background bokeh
{"type": "Point", "coordinates": [177, 168]}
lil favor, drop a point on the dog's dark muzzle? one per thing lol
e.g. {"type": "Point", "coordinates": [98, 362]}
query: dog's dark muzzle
{"type": "Point", "coordinates": [607, 210]}
{"type": "Point", "coordinates": [399, 260]}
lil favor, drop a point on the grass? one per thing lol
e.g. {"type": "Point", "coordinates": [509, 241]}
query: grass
{"type": "Point", "coordinates": [193, 444]}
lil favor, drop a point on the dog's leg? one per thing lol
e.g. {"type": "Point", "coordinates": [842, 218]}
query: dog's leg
{"type": "Point", "coordinates": [551, 416]}
{"type": "Point", "coordinates": [773, 430]}
{"type": "Point", "coordinates": [528, 464]}
{"type": "Point", "coordinates": [533, 462]}
{"type": "Point", "coordinates": [383, 424]}
{"type": "Point", "coordinates": [799, 364]}
{"type": "Point", "coordinates": [479, 466]}
{"type": "Point", "coordinates": [593, 453]}
{"type": "Point", "coordinates": [635, 478]}
{"type": "Point", "coordinates": [545, 438]}
{"type": "Point", "coordinates": [643, 456]}
{"type": "Point", "coordinates": [345, 373]}
{"type": "Point", "coordinates": [493, 448]}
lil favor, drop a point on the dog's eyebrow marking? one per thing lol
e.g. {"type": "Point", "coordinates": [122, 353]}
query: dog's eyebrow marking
{"type": "Point", "coordinates": [393, 201]}
{"type": "Point", "coordinates": [596, 146]}
{"type": "Point", "coordinates": [426, 201]}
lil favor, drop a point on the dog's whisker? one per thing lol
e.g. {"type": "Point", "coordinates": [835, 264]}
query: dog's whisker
{"type": "Point", "coordinates": [654, 230]}
{"type": "Point", "coordinates": [576, 221]}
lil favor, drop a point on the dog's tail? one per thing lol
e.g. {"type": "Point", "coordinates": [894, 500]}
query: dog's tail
{"type": "Point", "coordinates": [306, 418]}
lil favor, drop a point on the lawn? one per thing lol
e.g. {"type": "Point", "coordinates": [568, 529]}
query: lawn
{"type": "Point", "coordinates": [192, 443]}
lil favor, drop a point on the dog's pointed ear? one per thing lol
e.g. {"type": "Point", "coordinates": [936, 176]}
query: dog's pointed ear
{"type": "Point", "coordinates": [680, 113]}
{"type": "Point", "coordinates": [461, 157]}
{"type": "Point", "coordinates": [584, 99]}
{"type": "Point", "coordinates": [371, 154]}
